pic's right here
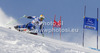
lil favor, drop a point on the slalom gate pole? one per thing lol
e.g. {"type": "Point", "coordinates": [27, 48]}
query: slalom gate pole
{"type": "Point", "coordinates": [52, 31]}
{"type": "Point", "coordinates": [97, 26]}
{"type": "Point", "coordinates": [60, 32]}
{"type": "Point", "coordinates": [60, 28]}
{"type": "Point", "coordinates": [83, 25]}
{"type": "Point", "coordinates": [53, 26]}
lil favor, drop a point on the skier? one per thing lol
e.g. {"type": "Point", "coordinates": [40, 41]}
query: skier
{"type": "Point", "coordinates": [37, 21]}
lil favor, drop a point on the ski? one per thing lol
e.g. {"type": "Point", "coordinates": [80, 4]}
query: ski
{"type": "Point", "coordinates": [32, 33]}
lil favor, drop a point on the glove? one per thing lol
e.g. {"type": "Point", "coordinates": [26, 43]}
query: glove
{"type": "Point", "coordinates": [25, 16]}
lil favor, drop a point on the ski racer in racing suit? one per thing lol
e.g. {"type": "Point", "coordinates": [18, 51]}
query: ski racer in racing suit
{"type": "Point", "coordinates": [37, 21]}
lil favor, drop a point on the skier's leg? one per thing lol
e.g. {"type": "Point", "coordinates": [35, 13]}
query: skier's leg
{"type": "Point", "coordinates": [19, 26]}
{"type": "Point", "coordinates": [30, 26]}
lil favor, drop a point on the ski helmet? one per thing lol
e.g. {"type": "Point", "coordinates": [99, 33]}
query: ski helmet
{"type": "Point", "coordinates": [41, 17]}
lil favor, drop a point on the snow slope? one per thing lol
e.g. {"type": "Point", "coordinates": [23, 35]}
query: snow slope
{"type": "Point", "coordinates": [18, 42]}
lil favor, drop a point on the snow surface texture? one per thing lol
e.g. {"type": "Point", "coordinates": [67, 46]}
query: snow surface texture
{"type": "Point", "coordinates": [19, 42]}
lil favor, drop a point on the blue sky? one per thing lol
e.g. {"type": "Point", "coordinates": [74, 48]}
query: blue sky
{"type": "Point", "coordinates": [72, 11]}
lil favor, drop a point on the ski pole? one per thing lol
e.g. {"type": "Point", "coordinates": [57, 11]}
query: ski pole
{"type": "Point", "coordinates": [15, 20]}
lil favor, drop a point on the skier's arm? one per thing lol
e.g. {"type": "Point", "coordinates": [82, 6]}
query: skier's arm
{"type": "Point", "coordinates": [30, 17]}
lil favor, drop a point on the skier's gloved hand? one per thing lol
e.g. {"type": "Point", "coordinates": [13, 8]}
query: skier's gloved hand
{"type": "Point", "coordinates": [25, 16]}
